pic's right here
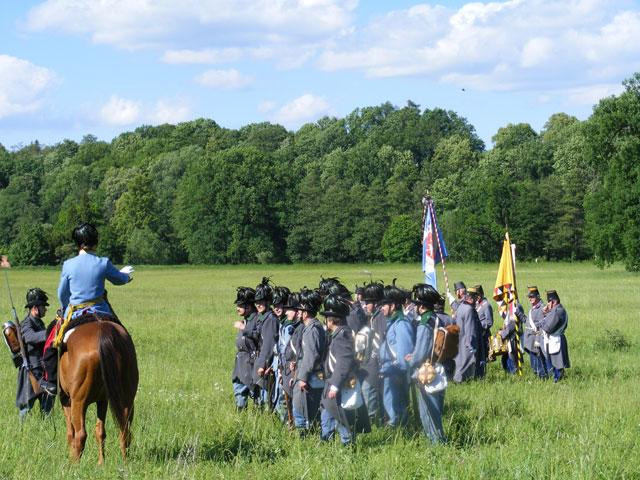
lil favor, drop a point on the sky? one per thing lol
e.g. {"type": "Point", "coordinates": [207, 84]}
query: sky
{"type": "Point", "coordinates": [69, 68]}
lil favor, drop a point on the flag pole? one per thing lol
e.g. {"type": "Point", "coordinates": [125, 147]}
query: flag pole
{"type": "Point", "coordinates": [517, 329]}
{"type": "Point", "coordinates": [435, 227]}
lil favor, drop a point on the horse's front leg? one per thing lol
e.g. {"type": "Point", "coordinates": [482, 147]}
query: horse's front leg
{"type": "Point", "coordinates": [101, 433]}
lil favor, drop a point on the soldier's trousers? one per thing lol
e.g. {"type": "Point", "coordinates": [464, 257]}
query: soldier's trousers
{"type": "Point", "coordinates": [430, 407]}
{"type": "Point", "coordinates": [395, 397]}
{"type": "Point", "coordinates": [306, 404]}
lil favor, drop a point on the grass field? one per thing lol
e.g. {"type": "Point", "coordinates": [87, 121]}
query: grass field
{"type": "Point", "coordinates": [186, 426]}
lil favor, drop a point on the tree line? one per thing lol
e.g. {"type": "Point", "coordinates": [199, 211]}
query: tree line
{"type": "Point", "coordinates": [337, 190]}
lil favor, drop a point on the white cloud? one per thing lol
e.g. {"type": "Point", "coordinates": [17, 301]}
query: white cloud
{"type": "Point", "coordinates": [225, 79]}
{"type": "Point", "coordinates": [189, 23]}
{"type": "Point", "coordinates": [266, 106]}
{"type": "Point", "coordinates": [22, 85]}
{"type": "Point", "coordinates": [169, 111]}
{"type": "Point", "coordinates": [538, 45]}
{"type": "Point", "coordinates": [206, 56]}
{"type": "Point", "coordinates": [120, 111]}
{"type": "Point", "coordinates": [303, 109]}
{"type": "Point", "coordinates": [592, 94]}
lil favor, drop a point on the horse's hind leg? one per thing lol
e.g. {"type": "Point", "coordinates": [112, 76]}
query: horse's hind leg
{"type": "Point", "coordinates": [125, 433]}
{"type": "Point", "coordinates": [70, 431]}
{"type": "Point", "coordinates": [78, 413]}
{"type": "Point", "coordinates": [101, 433]}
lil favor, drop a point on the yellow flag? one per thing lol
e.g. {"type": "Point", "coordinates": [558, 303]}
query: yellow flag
{"type": "Point", "coordinates": [504, 293]}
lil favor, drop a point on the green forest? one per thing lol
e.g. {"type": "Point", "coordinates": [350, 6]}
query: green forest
{"type": "Point", "coordinates": [337, 190]}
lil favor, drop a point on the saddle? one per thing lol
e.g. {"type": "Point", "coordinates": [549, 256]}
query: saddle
{"type": "Point", "coordinates": [59, 334]}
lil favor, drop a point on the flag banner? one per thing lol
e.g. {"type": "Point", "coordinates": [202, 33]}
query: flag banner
{"type": "Point", "coordinates": [428, 251]}
{"type": "Point", "coordinates": [433, 248]}
{"type": "Point", "coordinates": [504, 292]}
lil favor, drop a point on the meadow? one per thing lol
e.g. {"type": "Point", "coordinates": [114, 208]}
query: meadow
{"type": "Point", "coordinates": [186, 426]}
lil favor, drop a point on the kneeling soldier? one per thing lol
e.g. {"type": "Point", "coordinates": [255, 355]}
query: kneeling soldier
{"type": "Point", "coordinates": [339, 370]}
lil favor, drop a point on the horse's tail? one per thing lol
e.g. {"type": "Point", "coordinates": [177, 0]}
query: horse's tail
{"type": "Point", "coordinates": [117, 364]}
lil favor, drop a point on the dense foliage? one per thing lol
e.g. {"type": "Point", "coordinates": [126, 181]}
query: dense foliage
{"type": "Point", "coordinates": [338, 190]}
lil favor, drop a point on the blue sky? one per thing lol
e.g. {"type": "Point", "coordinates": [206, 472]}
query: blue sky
{"type": "Point", "coordinates": [70, 68]}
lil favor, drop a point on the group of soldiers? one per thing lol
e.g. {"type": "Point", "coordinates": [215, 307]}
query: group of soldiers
{"type": "Point", "coordinates": [358, 368]}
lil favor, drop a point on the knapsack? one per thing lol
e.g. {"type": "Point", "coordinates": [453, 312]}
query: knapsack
{"type": "Point", "coordinates": [363, 343]}
{"type": "Point", "coordinates": [445, 346]}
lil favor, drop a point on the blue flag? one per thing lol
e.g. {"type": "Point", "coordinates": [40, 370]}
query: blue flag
{"type": "Point", "coordinates": [433, 248]}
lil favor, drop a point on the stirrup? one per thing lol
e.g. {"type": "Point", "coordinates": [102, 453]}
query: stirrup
{"type": "Point", "coordinates": [49, 388]}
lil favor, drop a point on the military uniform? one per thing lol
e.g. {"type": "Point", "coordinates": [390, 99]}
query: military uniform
{"type": "Point", "coordinates": [485, 315]}
{"type": "Point", "coordinates": [339, 367]}
{"type": "Point", "coordinates": [508, 333]}
{"type": "Point", "coordinates": [309, 369]}
{"type": "Point", "coordinates": [533, 339]}
{"type": "Point", "coordinates": [247, 346]}
{"type": "Point", "coordinates": [34, 334]}
{"type": "Point", "coordinates": [82, 282]}
{"type": "Point", "coordinates": [394, 369]}
{"type": "Point", "coordinates": [357, 318]}
{"type": "Point", "coordinates": [371, 369]}
{"type": "Point", "coordinates": [430, 405]}
{"type": "Point", "coordinates": [469, 342]}
{"type": "Point", "coordinates": [556, 349]}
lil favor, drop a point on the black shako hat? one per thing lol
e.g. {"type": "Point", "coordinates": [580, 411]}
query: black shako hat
{"type": "Point", "coordinates": [552, 295]}
{"type": "Point", "coordinates": [393, 295]}
{"type": "Point", "coordinates": [532, 291]}
{"type": "Point", "coordinates": [425, 294]}
{"type": "Point", "coordinates": [340, 290]}
{"type": "Point", "coordinates": [264, 291]}
{"type": "Point", "coordinates": [280, 296]}
{"type": "Point", "coordinates": [459, 286]}
{"type": "Point", "coordinates": [359, 290]}
{"type": "Point", "coordinates": [293, 301]}
{"type": "Point", "coordinates": [36, 297]}
{"type": "Point", "coordinates": [373, 292]}
{"type": "Point", "coordinates": [335, 306]}
{"type": "Point", "coordinates": [245, 296]}
{"type": "Point", "coordinates": [85, 234]}
{"type": "Point", "coordinates": [310, 301]}
{"type": "Point", "coordinates": [325, 284]}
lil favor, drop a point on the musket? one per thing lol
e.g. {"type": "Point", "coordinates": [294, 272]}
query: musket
{"type": "Point", "coordinates": [23, 351]}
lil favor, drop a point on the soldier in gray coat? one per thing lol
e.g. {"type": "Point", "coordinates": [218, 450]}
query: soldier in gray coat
{"type": "Point", "coordinates": [268, 326]}
{"type": "Point", "coordinates": [554, 325]}
{"type": "Point", "coordinates": [339, 369]}
{"type": "Point", "coordinates": [485, 315]}
{"type": "Point", "coordinates": [34, 335]}
{"type": "Point", "coordinates": [371, 385]}
{"type": "Point", "coordinates": [246, 345]}
{"type": "Point", "coordinates": [532, 340]}
{"type": "Point", "coordinates": [309, 377]}
{"type": "Point", "coordinates": [469, 340]}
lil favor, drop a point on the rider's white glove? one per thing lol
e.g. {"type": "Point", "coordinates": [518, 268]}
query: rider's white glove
{"type": "Point", "coordinates": [128, 270]}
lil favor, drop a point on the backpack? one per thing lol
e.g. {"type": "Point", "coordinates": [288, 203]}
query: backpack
{"type": "Point", "coordinates": [445, 345]}
{"type": "Point", "coordinates": [363, 341]}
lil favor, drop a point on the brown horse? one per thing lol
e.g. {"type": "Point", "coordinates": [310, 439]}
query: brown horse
{"type": "Point", "coordinates": [98, 366]}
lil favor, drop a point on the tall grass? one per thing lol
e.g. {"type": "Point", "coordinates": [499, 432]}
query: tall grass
{"type": "Point", "coordinates": [186, 425]}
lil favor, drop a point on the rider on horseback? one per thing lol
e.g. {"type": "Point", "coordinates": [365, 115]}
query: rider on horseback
{"type": "Point", "coordinates": [81, 290]}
